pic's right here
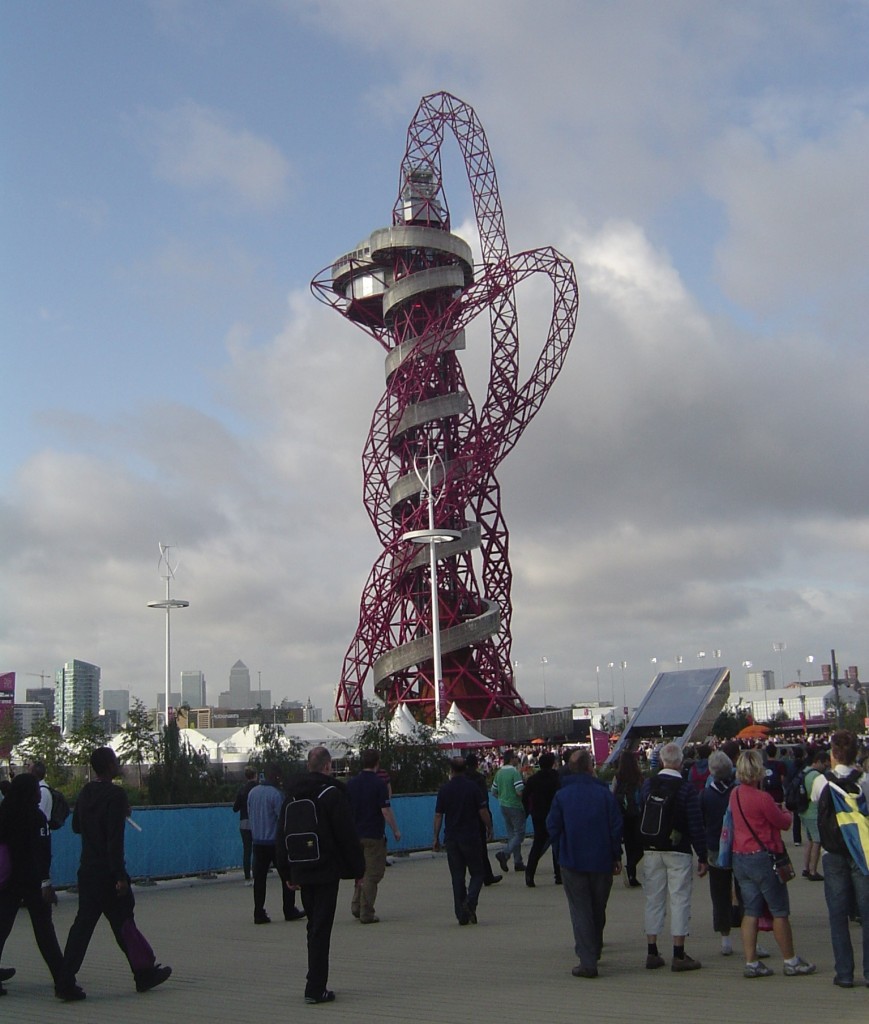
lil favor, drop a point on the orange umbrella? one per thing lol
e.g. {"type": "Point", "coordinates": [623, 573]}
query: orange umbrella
{"type": "Point", "coordinates": [753, 732]}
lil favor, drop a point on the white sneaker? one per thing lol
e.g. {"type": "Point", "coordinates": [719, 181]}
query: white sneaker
{"type": "Point", "coordinates": [761, 952]}
{"type": "Point", "coordinates": [800, 968]}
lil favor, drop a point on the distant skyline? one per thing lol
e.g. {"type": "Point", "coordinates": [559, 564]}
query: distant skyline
{"type": "Point", "coordinates": [174, 173]}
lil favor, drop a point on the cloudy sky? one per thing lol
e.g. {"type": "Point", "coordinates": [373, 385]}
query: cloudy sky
{"type": "Point", "coordinates": [174, 172]}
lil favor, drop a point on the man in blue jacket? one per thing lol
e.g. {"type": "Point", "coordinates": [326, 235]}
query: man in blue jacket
{"type": "Point", "coordinates": [585, 826]}
{"type": "Point", "coordinates": [263, 809]}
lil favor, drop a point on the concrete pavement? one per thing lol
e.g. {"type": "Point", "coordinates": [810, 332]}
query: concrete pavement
{"type": "Point", "coordinates": [418, 965]}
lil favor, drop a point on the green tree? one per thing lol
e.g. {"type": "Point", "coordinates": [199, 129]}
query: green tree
{"type": "Point", "coordinates": [85, 738]}
{"type": "Point", "coordinates": [417, 765]}
{"type": "Point", "coordinates": [10, 736]}
{"type": "Point", "coordinates": [181, 774]}
{"type": "Point", "coordinates": [46, 743]}
{"type": "Point", "coordinates": [274, 747]}
{"type": "Point", "coordinates": [729, 723]}
{"type": "Point", "coordinates": [138, 743]}
{"type": "Point", "coordinates": [774, 721]}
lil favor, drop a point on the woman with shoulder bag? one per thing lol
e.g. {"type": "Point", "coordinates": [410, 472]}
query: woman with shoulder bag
{"type": "Point", "coordinates": [758, 823]}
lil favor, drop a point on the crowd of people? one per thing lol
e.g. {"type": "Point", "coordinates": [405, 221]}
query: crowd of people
{"type": "Point", "coordinates": [717, 811]}
{"type": "Point", "coordinates": [666, 816]}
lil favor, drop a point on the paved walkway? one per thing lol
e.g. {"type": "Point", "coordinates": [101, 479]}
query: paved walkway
{"type": "Point", "coordinates": [418, 965]}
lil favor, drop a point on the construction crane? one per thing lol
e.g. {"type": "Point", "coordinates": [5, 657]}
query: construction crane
{"type": "Point", "coordinates": [42, 676]}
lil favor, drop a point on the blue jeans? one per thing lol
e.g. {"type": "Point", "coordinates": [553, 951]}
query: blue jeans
{"type": "Point", "coordinates": [514, 819]}
{"type": "Point", "coordinates": [758, 882]}
{"type": "Point", "coordinates": [846, 890]}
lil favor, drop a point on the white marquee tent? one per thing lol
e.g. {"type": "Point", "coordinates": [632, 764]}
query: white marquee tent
{"type": "Point", "coordinates": [457, 731]}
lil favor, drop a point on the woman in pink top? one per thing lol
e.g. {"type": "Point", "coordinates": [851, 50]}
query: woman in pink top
{"type": "Point", "coordinates": [758, 823]}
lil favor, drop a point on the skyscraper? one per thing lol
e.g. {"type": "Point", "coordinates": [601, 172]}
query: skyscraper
{"type": "Point", "coordinates": [239, 685]}
{"type": "Point", "coordinates": [117, 704]}
{"type": "Point", "coordinates": [193, 689]}
{"type": "Point", "coordinates": [77, 691]}
{"type": "Point", "coordinates": [43, 695]}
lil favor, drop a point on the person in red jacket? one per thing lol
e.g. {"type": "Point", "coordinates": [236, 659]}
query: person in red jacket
{"type": "Point", "coordinates": [758, 823]}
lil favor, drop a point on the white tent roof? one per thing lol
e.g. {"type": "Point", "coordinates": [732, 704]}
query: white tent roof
{"type": "Point", "coordinates": [235, 746]}
{"type": "Point", "coordinates": [402, 723]}
{"type": "Point", "coordinates": [457, 731]}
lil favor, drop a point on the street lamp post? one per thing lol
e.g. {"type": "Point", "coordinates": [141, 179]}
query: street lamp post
{"type": "Point", "coordinates": [779, 647]}
{"type": "Point", "coordinates": [432, 537]}
{"type": "Point", "coordinates": [168, 574]}
{"type": "Point", "coordinates": [544, 661]}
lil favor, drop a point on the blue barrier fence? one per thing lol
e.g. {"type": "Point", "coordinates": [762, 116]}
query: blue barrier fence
{"type": "Point", "coordinates": [194, 839]}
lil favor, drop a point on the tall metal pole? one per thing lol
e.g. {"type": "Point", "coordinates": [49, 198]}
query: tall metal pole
{"type": "Point", "coordinates": [432, 537]}
{"type": "Point", "coordinates": [435, 611]}
{"type": "Point", "coordinates": [168, 650]}
{"type": "Point", "coordinates": [835, 668]}
{"type": "Point", "coordinates": [169, 603]}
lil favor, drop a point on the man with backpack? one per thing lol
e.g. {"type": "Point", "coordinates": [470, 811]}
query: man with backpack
{"type": "Point", "coordinates": [317, 846]}
{"type": "Point", "coordinates": [52, 803]}
{"type": "Point", "coordinates": [841, 793]}
{"type": "Point", "coordinates": [670, 825]}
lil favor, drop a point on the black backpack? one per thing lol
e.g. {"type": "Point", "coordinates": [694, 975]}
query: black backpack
{"type": "Point", "coordinates": [796, 797]}
{"type": "Point", "coordinates": [59, 809]}
{"type": "Point", "coordinates": [626, 799]}
{"type": "Point", "coordinates": [657, 824]}
{"type": "Point", "coordinates": [300, 828]}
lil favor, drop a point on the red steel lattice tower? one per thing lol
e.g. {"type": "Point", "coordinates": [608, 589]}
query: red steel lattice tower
{"type": "Point", "coordinates": [413, 286]}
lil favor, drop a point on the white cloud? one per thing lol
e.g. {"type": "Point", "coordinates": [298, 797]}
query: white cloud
{"type": "Point", "coordinates": [798, 219]}
{"type": "Point", "coordinates": [196, 147]}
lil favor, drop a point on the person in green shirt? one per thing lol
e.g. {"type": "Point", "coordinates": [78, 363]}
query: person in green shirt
{"type": "Point", "coordinates": [809, 817]}
{"type": "Point", "coordinates": [507, 788]}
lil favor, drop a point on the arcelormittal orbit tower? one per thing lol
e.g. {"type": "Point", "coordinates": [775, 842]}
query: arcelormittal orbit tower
{"type": "Point", "coordinates": [431, 451]}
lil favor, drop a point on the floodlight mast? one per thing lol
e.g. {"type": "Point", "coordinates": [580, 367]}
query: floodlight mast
{"type": "Point", "coordinates": [414, 288]}
{"type": "Point", "coordinates": [167, 572]}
